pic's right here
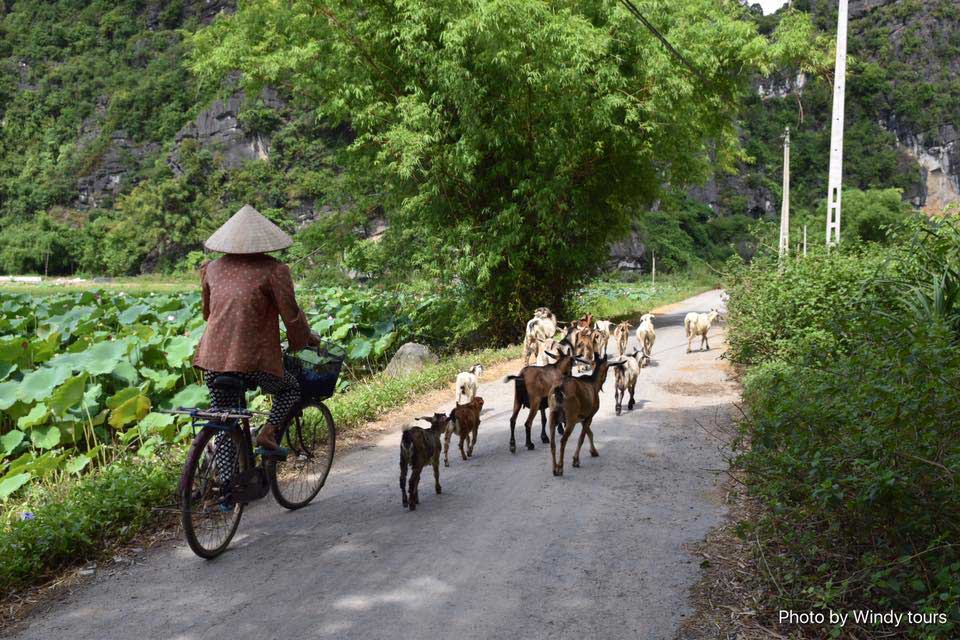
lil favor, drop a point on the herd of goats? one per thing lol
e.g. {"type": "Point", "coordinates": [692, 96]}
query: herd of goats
{"type": "Point", "coordinates": [546, 386]}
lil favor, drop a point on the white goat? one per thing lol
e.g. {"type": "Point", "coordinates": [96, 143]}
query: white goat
{"type": "Point", "coordinates": [603, 330]}
{"type": "Point", "coordinates": [467, 384]}
{"type": "Point", "coordinates": [542, 326]}
{"type": "Point", "coordinates": [627, 376]}
{"type": "Point", "coordinates": [698, 324]}
{"type": "Point", "coordinates": [646, 335]}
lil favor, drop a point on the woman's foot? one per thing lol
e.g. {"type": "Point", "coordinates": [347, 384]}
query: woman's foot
{"type": "Point", "coordinates": [267, 437]}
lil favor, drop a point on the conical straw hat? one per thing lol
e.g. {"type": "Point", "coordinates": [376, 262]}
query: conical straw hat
{"type": "Point", "coordinates": [247, 231]}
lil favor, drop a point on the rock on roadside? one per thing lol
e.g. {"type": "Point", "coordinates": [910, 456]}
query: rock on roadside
{"type": "Point", "coordinates": [409, 358]}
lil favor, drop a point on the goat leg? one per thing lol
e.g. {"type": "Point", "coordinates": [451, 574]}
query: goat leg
{"type": "Point", "coordinates": [528, 423]}
{"type": "Point", "coordinates": [414, 487]}
{"type": "Point", "coordinates": [473, 441]}
{"type": "Point", "coordinates": [446, 447]}
{"type": "Point", "coordinates": [403, 480]}
{"type": "Point", "coordinates": [587, 426]}
{"type": "Point", "coordinates": [576, 454]}
{"type": "Point", "coordinates": [543, 422]}
{"type": "Point", "coordinates": [436, 471]}
{"type": "Point", "coordinates": [462, 435]}
{"type": "Point", "coordinates": [513, 423]}
{"type": "Point", "coordinates": [631, 403]}
{"type": "Point", "coordinates": [553, 442]}
{"type": "Point", "coordinates": [563, 448]}
{"type": "Point", "coordinates": [618, 399]}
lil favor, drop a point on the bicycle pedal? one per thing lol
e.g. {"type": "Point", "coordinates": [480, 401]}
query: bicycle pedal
{"type": "Point", "coordinates": [279, 452]}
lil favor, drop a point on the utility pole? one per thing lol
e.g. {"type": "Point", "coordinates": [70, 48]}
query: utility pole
{"type": "Point", "coordinates": [836, 131]}
{"type": "Point", "coordinates": [785, 207]}
{"type": "Point", "coordinates": [804, 240]}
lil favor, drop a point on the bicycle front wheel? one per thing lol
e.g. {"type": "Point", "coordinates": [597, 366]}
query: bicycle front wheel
{"type": "Point", "coordinates": [209, 516]}
{"type": "Point", "coordinates": [312, 440]}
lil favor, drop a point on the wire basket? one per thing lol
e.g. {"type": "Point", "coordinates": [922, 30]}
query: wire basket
{"type": "Point", "coordinates": [316, 369]}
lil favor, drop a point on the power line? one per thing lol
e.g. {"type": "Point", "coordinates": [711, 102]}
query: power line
{"type": "Point", "coordinates": [679, 56]}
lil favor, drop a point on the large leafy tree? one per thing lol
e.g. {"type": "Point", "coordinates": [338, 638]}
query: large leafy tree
{"type": "Point", "coordinates": [516, 138]}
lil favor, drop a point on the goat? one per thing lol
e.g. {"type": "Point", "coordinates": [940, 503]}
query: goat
{"type": "Point", "coordinates": [646, 335]}
{"type": "Point", "coordinates": [626, 378]}
{"type": "Point", "coordinates": [464, 421]}
{"type": "Point", "coordinates": [698, 324]}
{"type": "Point", "coordinates": [543, 325]}
{"type": "Point", "coordinates": [584, 348]}
{"type": "Point", "coordinates": [531, 388]}
{"type": "Point", "coordinates": [576, 400]}
{"type": "Point", "coordinates": [418, 447]}
{"type": "Point", "coordinates": [467, 384]}
{"type": "Point", "coordinates": [602, 330]}
{"type": "Point", "coordinates": [622, 336]}
{"type": "Point", "coordinates": [547, 347]}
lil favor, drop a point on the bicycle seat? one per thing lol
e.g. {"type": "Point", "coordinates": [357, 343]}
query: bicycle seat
{"type": "Point", "coordinates": [229, 383]}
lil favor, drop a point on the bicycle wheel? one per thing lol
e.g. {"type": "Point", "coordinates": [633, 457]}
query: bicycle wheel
{"type": "Point", "coordinates": [209, 518]}
{"type": "Point", "coordinates": [312, 440]}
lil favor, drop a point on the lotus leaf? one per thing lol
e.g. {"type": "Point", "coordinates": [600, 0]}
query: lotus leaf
{"type": "Point", "coordinates": [10, 441]}
{"type": "Point", "coordinates": [77, 463]}
{"type": "Point", "coordinates": [39, 384]}
{"type": "Point", "coordinates": [68, 395]}
{"type": "Point", "coordinates": [12, 482]}
{"type": "Point", "coordinates": [38, 415]}
{"type": "Point", "coordinates": [194, 395]}
{"type": "Point", "coordinates": [45, 437]}
{"type": "Point", "coordinates": [126, 406]}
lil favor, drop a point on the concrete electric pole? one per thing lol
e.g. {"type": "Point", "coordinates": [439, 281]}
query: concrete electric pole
{"type": "Point", "coordinates": [836, 131]}
{"type": "Point", "coordinates": [785, 207]}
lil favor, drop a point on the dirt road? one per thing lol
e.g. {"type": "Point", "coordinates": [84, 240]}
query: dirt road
{"type": "Point", "coordinates": [508, 550]}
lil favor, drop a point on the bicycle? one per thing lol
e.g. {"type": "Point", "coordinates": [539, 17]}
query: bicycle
{"type": "Point", "coordinates": [213, 493]}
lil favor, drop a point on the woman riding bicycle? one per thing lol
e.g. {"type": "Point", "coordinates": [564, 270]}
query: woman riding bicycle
{"type": "Point", "coordinates": [244, 292]}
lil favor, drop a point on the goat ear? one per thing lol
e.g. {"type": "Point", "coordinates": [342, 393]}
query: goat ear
{"type": "Point", "coordinates": [552, 355]}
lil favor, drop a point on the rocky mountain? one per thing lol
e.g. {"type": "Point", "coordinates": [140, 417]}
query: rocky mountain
{"type": "Point", "coordinates": [104, 132]}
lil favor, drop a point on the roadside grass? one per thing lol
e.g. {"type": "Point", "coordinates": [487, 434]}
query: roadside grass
{"type": "Point", "coordinates": [612, 297]}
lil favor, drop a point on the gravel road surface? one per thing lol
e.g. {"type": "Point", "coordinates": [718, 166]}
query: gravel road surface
{"type": "Point", "coordinates": [507, 551]}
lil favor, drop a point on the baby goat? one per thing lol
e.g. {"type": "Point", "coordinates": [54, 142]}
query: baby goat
{"type": "Point", "coordinates": [698, 324]}
{"type": "Point", "coordinates": [419, 447]}
{"type": "Point", "coordinates": [622, 335]}
{"type": "Point", "coordinates": [546, 349]}
{"type": "Point", "coordinates": [467, 384]}
{"type": "Point", "coordinates": [626, 378]}
{"type": "Point", "coordinates": [464, 421]}
{"type": "Point", "coordinates": [576, 400]}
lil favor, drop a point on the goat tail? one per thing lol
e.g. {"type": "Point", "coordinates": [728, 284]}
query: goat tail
{"type": "Point", "coordinates": [509, 378]}
{"type": "Point", "coordinates": [406, 446]}
{"type": "Point", "coordinates": [556, 399]}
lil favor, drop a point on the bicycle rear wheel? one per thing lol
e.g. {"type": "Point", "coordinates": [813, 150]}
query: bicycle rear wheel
{"type": "Point", "coordinates": [312, 440]}
{"type": "Point", "coordinates": [209, 517]}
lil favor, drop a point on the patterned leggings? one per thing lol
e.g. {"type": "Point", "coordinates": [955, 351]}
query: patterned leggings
{"type": "Point", "coordinates": [286, 396]}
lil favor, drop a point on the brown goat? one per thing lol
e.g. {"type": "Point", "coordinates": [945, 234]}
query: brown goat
{"type": "Point", "coordinates": [576, 400]}
{"type": "Point", "coordinates": [585, 347]}
{"type": "Point", "coordinates": [464, 421]}
{"type": "Point", "coordinates": [418, 447]}
{"type": "Point", "coordinates": [532, 386]}
{"type": "Point", "coordinates": [622, 335]}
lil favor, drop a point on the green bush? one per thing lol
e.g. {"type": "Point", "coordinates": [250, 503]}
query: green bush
{"type": "Point", "coordinates": [78, 519]}
{"type": "Point", "coordinates": [851, 417]}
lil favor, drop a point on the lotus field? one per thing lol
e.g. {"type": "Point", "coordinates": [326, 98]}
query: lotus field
{"type": "Point", "coordinates": [83, 375]}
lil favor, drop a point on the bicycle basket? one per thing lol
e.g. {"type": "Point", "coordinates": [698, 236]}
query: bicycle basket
{"type": "Point", "coordinates": [316, 369]}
